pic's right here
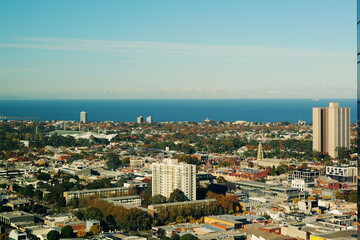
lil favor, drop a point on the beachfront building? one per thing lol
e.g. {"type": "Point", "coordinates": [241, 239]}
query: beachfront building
{"type": "Point", "coordinates": [83, 117]}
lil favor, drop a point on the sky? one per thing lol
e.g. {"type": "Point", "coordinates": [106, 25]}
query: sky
{"type": "Point", "coordinates": [183, 49]}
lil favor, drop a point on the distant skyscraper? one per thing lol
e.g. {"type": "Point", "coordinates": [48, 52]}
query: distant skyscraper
{"type": "Point", "coordinates": [331, 128]}
{"type": "Point", "coordinates": [149, 119]}
{"type": "Point", "coordinates": [139, 119]}
{"type": "Point", "coordinates": [83, 117]}
{"type": "Point", "coordinates": [170, 175]}
{"type": "Point", "coordinates": [260, 153]}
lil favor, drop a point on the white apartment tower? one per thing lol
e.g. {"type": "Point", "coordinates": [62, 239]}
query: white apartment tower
{"type": "Point", "coordinates": [139, 119]}
{"type": "Point", "coordinates": [149, 119]}
{"type": "Point", "coordinates": [170, 175]}
{"type": "Point", "coordinates": [83, 117]}
{"type": "Point", "coordinates": [331, 128]}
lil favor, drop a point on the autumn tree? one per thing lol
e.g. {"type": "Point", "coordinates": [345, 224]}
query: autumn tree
{"type": "Point", "coordinates": [95, 229]}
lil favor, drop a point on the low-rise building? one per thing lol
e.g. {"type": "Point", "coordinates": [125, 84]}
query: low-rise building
{"type": "Point", "coordinates": [16, 216]}
{"type": "Point", "coordinates": [102, 192]}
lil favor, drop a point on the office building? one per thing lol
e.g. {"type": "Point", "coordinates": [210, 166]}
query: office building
{"type": "Point", "coordinates": [83, 117]}
{"type": "Point", "coordinates": [139, 119]}
{"type": "Point", "coordinates": [331, 128]}
{"type": "Point", "coordinates": [170, 175]}
{"type": "Point", "coordinates": [149, 119]}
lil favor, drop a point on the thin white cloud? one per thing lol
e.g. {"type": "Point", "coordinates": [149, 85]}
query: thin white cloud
{"type": "Point", "coordinates": [143, 47]}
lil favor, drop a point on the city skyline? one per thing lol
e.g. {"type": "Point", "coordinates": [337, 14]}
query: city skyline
{"type": "Point", "coordinates": [177, 50]}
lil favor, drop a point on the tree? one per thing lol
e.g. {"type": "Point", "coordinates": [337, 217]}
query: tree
{"type": "Point", "coordinates": [353, 196]}
{"type": "Point", "coordinates": [158, 199]}
{"type": "Point", "coordinates": [188, 237]}
{"type": "Point", "coordinates": [81, 233]}
{"type": "Point", "coordinates": [53, 235]}
{"type": "Point", "coordinates": [343, 153]}
{"type": "Point", "coordinates": [273, 171]}
{"type": "Point", "coordinates": [110, 220]}
{"type": "Point", "coordinates": [221, 179]}
{"type": "Point", "coordinates": [177, 196]}
{"type": "Point", "coordinates": [160, 233]}
{"type": "Point", "coordinates": [266, 216]}
{"type": "Point", "coordinates": [95, 229]}
{"type": "Point", "coordinates": [43, 176]}
{"type": "Point", "coordinates": [175, 236]}
{"type": "Point", "coordinates": [113, 162]}
{"type": "Point", "coordinates": [80, 215]}
{"type": "Point", "coordinates": [339, 195]}
{"type": "Point", "coordinates": [67, 232]}
{"type": "Point", "coordinates": [61, 201]}
{"type": "Point", "coordinates": [94, 213]}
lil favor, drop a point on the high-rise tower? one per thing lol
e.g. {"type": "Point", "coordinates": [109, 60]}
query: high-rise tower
{"type": "Point", "coordinates": [331, 128]}
{"type": "Point", "coordinates": [83, 117]}
{"type": "Point", "coordinates": [170, 175]}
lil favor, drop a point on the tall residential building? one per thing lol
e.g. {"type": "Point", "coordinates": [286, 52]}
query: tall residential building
{"type": "Point", "coordinates": [83, 117]}
{"type": "Point", "coordinates": [139, 119]}
{"type": "Point", "coordinates": [170, 175]}
{"type": "Point", "coordinates": [331, 128]}
{"type": "Point", "coordinates": [149, 119]}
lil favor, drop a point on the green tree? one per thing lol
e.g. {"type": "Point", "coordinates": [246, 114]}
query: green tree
{"type": "Point", "coordinates": [177, 196]}
{"type": "Point", "coordinates": [94, 213]}
{"type": "Point", "coordinates": [53, 235]}
{"type": "Point", "coordinates": [158, 199]}
{"type": "Point", "coordinates": [43, 176]}
{"type": "Point", "coordinates": [113, 162]}
{"type": "Point", "coordinates": [175, 236]}
{"type": "Point", "coordinates": [80, 215]}
{"type": "Point", "coordinates": [273, 171]}
{"type": "Point", "coordinates": [67, 232]}
{"type": "Point", "coordinates": [188, 237]}
{"type": "Point", "coordinates": [343, 153]}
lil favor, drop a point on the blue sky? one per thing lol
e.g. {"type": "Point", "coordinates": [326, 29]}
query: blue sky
{"type": "Point", "coordinates": [113, 49]}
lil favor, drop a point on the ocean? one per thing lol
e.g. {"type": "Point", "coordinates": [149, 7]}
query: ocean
{"type": "Point", "coordinates": [254, 110]}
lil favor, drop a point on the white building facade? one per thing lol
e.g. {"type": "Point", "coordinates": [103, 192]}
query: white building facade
{"type": "Point", "coordinates": [170, 175]}
{"type": "Point", "coordinates": [342, 173]}
{"type": "Point", "coordinates": [83, 117]}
